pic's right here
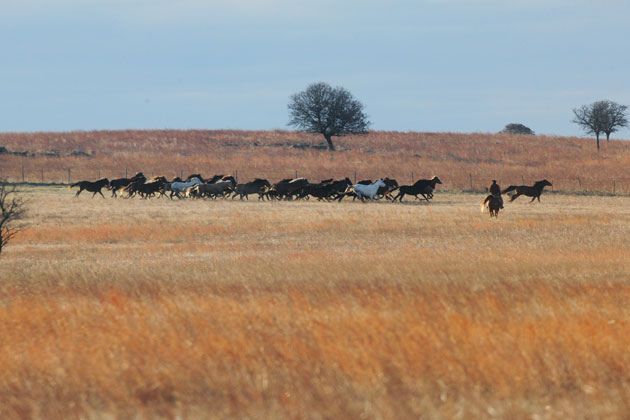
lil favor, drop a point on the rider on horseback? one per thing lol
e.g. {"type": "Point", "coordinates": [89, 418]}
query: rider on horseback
{"type": "Point", "coordinates": [495, 191]}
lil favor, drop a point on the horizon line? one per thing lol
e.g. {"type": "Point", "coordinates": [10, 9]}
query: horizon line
{"type": "Point", "coordinates": [95, 130]}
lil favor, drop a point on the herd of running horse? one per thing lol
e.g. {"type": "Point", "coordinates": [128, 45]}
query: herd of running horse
{"type": "Point", "coordinates": [226, 186]}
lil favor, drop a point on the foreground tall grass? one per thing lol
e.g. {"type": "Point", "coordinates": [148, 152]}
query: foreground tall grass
{"type": "Point", "coordinates": [215, 309]}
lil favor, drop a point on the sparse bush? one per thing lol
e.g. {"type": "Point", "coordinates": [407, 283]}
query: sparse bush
{"type": "Point", "coordinates": [517, 128]}
{"type": "Point", "coordinates": [11, 209]}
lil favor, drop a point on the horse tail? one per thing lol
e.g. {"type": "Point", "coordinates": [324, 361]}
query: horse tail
{"type": "Point", "coordinates": [74, 185]}
{"type": "Point", "coordinates": [508, 189]}
{"type": "Point", "coordinates": [483, 206]}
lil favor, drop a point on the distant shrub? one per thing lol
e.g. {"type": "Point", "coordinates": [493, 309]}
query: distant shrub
{"type": "Point", "coordinates": [79, 153]}
{"type": "Point", "coordinates": [516, 128]}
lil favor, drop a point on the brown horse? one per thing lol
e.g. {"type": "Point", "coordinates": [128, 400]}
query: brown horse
{"type": "Point", "coordinates": [493, 204]}
{"type": "Point", "coordinates": [93, 187]}
{"type": "Point", "coordinates": [534, 191]}
{"type": "Point", "coordinates": [120, 183]}
{"type": "Point", "coordinates": [423, 187]}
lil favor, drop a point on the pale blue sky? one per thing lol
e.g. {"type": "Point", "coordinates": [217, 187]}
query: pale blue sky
{"type": "Point", "coordinates": [424, 65]}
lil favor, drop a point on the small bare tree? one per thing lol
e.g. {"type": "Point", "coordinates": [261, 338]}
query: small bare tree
{"type": "Point", "coordinates": [615, 118]}
{"type": "Point", "coordinates": [11, 209]}
{"type": "Point", "coordinates": [601, 117]}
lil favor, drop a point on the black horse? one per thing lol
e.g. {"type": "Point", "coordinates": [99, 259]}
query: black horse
{"type": "Point", "coordinates": [93, 187]}
{"type": "Point", "coordinates": [258, 186]}
{"type": "Point", "coordinates": [534, 191]}
{"type": "Point", "coordinates": [120, 183]}
{"type": "Point", "coordinates": [325, 189]}
{"type": "Point", "coordinates": [423, 187]}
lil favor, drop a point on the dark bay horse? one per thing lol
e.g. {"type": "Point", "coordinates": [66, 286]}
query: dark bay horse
{"type": "Point", "coordinates": [257, 186]}
{"type": "Point", "coordinates": [534, 191]}
{"type": "Point", "coordinates": [493, 204]}
{"type": "Point", "coordinates": [93, 187]}
{"type": "Point", "coordinates": [422, 186]}
{"type": "Point", "coordinates": [120, 183]}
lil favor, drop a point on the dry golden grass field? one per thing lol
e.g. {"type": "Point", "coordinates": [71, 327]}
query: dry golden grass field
{"type": "Point", "coordinates": [215, 309]}
{"type": "Point", "coordinates": [461, 160]}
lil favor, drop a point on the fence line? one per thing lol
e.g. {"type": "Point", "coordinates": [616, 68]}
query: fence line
{"type": "Point", "coordinates": [473, 182]}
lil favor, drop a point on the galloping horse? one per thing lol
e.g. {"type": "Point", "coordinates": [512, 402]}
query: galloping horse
{"type": "Point", "coordinates": [424, 187]}
{"type": "Point", "coordinates": [362, 191]}
{"type": "Point", "coordinates": [179, 187]}
{"type": "Point", "coordinates": [534, 191]}
{"type": "Point", "coordinates": [325, 189]}
{"type": "Point", "coordinates": [493, 204]}
{"type": "Point", "coordinates": [120, 183]}
{"type": "Point", "coordinates": [93, 187]}
{"type": "Point", "coordinates": [257, 186]}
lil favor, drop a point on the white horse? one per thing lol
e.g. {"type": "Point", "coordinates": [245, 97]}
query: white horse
{"type": "Point", "coordinates": [368, 191]}
{"type": "Point", "coordinates": [178, 187]}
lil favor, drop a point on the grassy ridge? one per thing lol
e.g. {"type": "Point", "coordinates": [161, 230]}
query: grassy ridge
{"type": "Point", "coordinates": [459, 159]}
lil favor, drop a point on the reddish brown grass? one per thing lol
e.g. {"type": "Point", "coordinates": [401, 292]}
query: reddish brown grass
{"type": "Point", "coordinates": [571, 163]}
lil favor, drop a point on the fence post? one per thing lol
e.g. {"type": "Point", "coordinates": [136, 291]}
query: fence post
{"type": "Point", "coordinates": [69, 176]}
{"type": "Point", "coordinates": [126, 173]}
{"type": "Point", "coordinates": [99, 174]}
{"type": "Point", "coordinates": [471, 184]}
{"type": "Point", "coordinates": [42, 175]}
{"type": "Point", "coordinates": [236, 175]}
{"type": "Point", "coordinates": [579, 182]}
{"type": "Point", "coordinates": [296, 174]}
{"type": "Point", "coordinates": [355, 176]}
{"type": "Point", "coordinates": [522, 179]}
{"type": "Point", "coordinates": [23, 178]}
{"type": "Point", "coordinates": [412, 177]}
{"type": "Point", "coordinates": [614, 186]}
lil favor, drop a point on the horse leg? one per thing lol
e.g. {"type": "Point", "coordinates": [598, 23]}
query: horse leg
{"type": "Point", "coordinates": [99, 191]}
{"type": "Point", "coordinates": [78, 192]}
{"type": "Point", "coordinates": [538, 198]}
{"type": "Point", "coordinates": [532, 200]}
{"type": "Point", "coordinates": [514, 197]}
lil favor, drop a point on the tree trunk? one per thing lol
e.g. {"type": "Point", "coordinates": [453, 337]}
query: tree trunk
{"type": "Point", "coordinates": [597, 137]}
{"type": "Point", "coordinates": [607, 136]}
{"type": "Point", "coordinates": [331, 146]}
